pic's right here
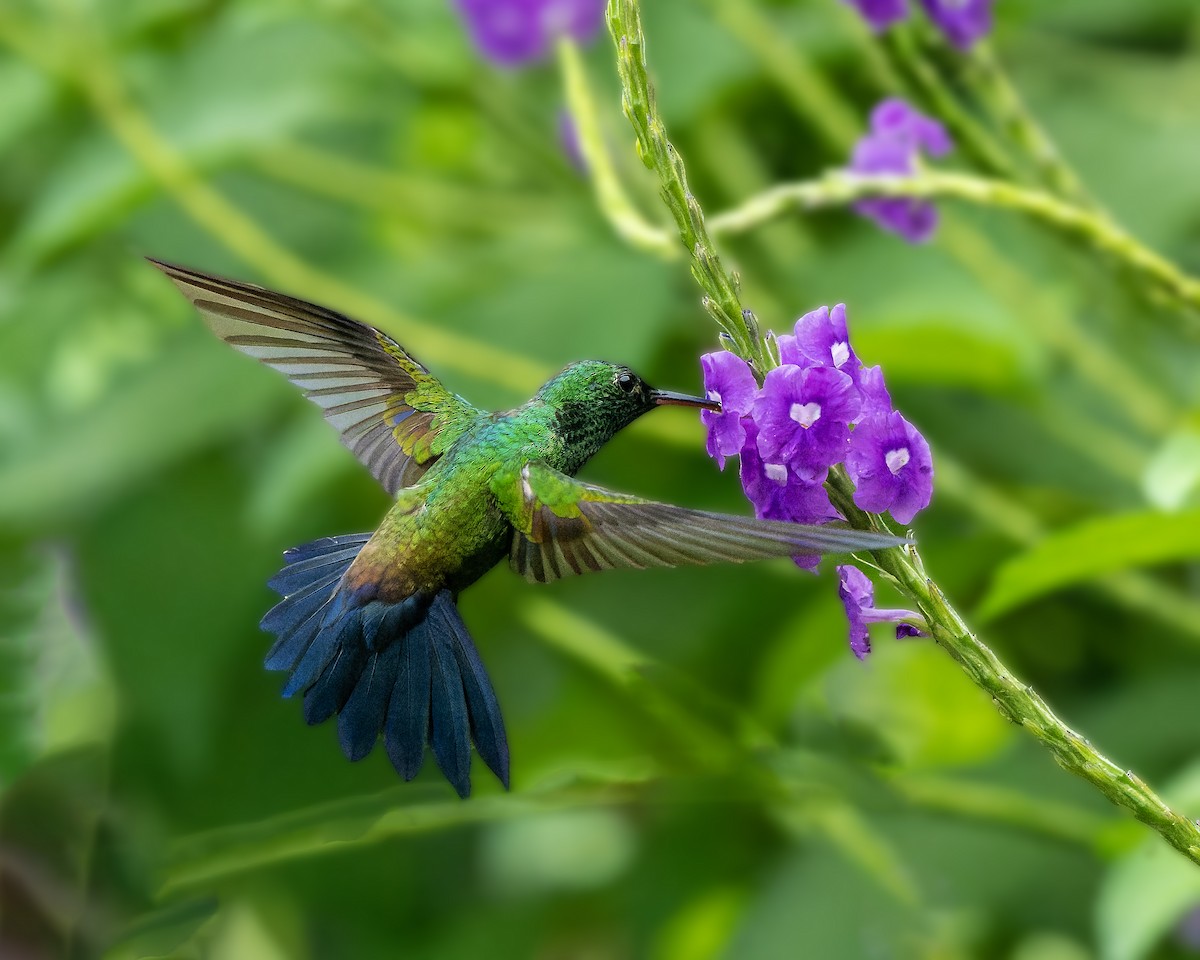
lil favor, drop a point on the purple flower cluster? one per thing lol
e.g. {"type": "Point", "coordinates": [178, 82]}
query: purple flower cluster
{"type": "Point", "coordinates": [962, 22]}
{"type": "Point", "coordinates": [512, 33]}
{"type": "Point", "coordinates": [897, 137]}
{"type": "Point", "coordinates": [820, 407]}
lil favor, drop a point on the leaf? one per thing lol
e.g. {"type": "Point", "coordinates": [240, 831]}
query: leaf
{"type": "Point", "coordinates": [357, 821]}
{"type": "Point", "coordinates": [1089, 550]}
{"type": "Point", "coordinates": [1147, 892]}
{"type": "Point", "coordinates": [945, 355]}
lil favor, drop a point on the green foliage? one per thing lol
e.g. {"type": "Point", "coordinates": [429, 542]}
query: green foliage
{"type": "Point", "coordinates": [1089, 550]}
{"type": "Point", "coordinates": [700, 769]}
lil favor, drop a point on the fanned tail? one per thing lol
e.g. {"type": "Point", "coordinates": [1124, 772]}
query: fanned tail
{"type": "Point", "coordinates": [408, 669]}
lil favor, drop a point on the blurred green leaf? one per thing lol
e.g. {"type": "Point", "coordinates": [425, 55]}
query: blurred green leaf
{"type": "Point", "coordinates": [1090, 549]}
{"type": "Point", "coordinates": [944, 354]}
{"type": "Point", "coordinates": [207, 859]}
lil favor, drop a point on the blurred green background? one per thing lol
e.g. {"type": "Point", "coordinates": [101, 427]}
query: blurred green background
{"type": "Point", "coordinates": [700, 768]}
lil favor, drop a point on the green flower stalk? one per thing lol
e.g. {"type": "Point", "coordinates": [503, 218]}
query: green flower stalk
{"type": "Point", "coordinates": [902, 565]}
{"type": "Point", "coordinates": [841, 188]}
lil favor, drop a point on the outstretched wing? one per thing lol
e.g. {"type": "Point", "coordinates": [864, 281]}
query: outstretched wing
{"type": "Point", "coordinates": [564, 527]}
{"type": "Point", "coordinates": [389, 410]}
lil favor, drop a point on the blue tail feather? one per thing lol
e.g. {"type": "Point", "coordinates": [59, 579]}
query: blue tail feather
{"type": "Point", "coordinates": [407, 670]}
{"type": "Point", "coordinates": [300, 574]}
{"type": "Point", "coordinates": [449, 725]}
{"type": "Point", "coordinates": [333, 688]}
{"type": "Point", "coordinates": [323, 546]}
{"type": "Point", "coordinates": [338, 628]}
{"type": "Point", "coordinates": [408, 710]}
{"type": "Point", "coordinates": [487, 725]}
{"type": "Point", "coordinates": [363, 716]}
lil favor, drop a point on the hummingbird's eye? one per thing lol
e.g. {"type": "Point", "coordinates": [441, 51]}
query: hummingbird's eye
{"type": "Point", "coordinates": [627, 382]}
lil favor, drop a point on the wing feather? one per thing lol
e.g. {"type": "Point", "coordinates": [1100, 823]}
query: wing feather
{"type": "Point", "coordinates": [387, 408]}
{"type": "Point", "coordinates": [564, 527]}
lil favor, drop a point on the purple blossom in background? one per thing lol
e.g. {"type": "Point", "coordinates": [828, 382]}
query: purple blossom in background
{"type": "Point", "coordinates": [512, 33]}
{"type": "Point", "coordinates": [880, 14]}
{"type": "Point", "coordinates": [890, 464]}
{"type": "Point", "coordinates": [729, 380]}
{"type": "Point", "coordinates": [1187, 931]}
{"type": "Point", "coordinates": [803, 417]}
{"type": "Point", "coordinates": [894, 119]}
{"type": "Point", "coordinates": [857, 594]}
{"type": "Point", "coordinates": [898, 135]}
{"type": "Point", "coordinates": [962, 21]}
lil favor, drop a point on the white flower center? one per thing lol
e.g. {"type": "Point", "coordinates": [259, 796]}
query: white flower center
{"type": "Point", "coordinates": [896, 460]}
{"type": "Point", "coordinates": [841, 353]}
{"type": "Point", "coordinates": [714, 395]}
{"type": "Point", "coordinates": [805, 414]}
{"type": "Point", "coordinates": [776, 472]}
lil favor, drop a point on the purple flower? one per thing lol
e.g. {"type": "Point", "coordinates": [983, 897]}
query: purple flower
{"type": "Point", "coordinates": [821, 339]}
{"type": "Point", "coordinates": [894, 119]}
{"type": "Point", "coordinates": [880, 14]}
{"type": "Point", "coordinates": [729, 380]}
{"type": "Point", "coordinates": [875, 396]}
{"type": "Point", "coordinates": [781, 494]}
{"type": "Point", "coordinates": [891, 467]}
{"type": "Point", "coordinates": [898, 135]}
{"type": "Point", "coordinates": [962, 21]}
{"type": "Point", "coordinates": [512, 33]}
{"type": "Point", "coordinates": [803, 416]}
{"type": "Point", "coordinates": [857, 594]}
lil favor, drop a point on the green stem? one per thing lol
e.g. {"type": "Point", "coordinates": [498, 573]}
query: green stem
{"type": "Point", "coordinates": [968, 132]}
{"type": "Point", "coordinates": [1016, 700]}
{"type": "Point", "coordinates": [988, 78]}
{"type": "Point", "coordinates": [721, 298]}
{"type": "Point", "coordinates": [838, 188]}
{"type": "Point", "coordinates": [611, 198]}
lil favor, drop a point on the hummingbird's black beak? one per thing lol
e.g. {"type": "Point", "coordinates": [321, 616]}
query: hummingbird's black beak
{"type": "Point", "coordinates": [671, 398]}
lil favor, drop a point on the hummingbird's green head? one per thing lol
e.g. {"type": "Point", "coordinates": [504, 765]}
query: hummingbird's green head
{"type": "Point", "coordinates": [593, 400]}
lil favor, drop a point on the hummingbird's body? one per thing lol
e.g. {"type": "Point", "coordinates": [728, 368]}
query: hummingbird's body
{"type": "Point", "coordinates": [367, 625]}
{"type": "Point", "coordinates": [451, 530]}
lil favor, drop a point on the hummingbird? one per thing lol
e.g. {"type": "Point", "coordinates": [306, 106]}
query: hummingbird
{"type": "Point", "coordinates": [368, 627]}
